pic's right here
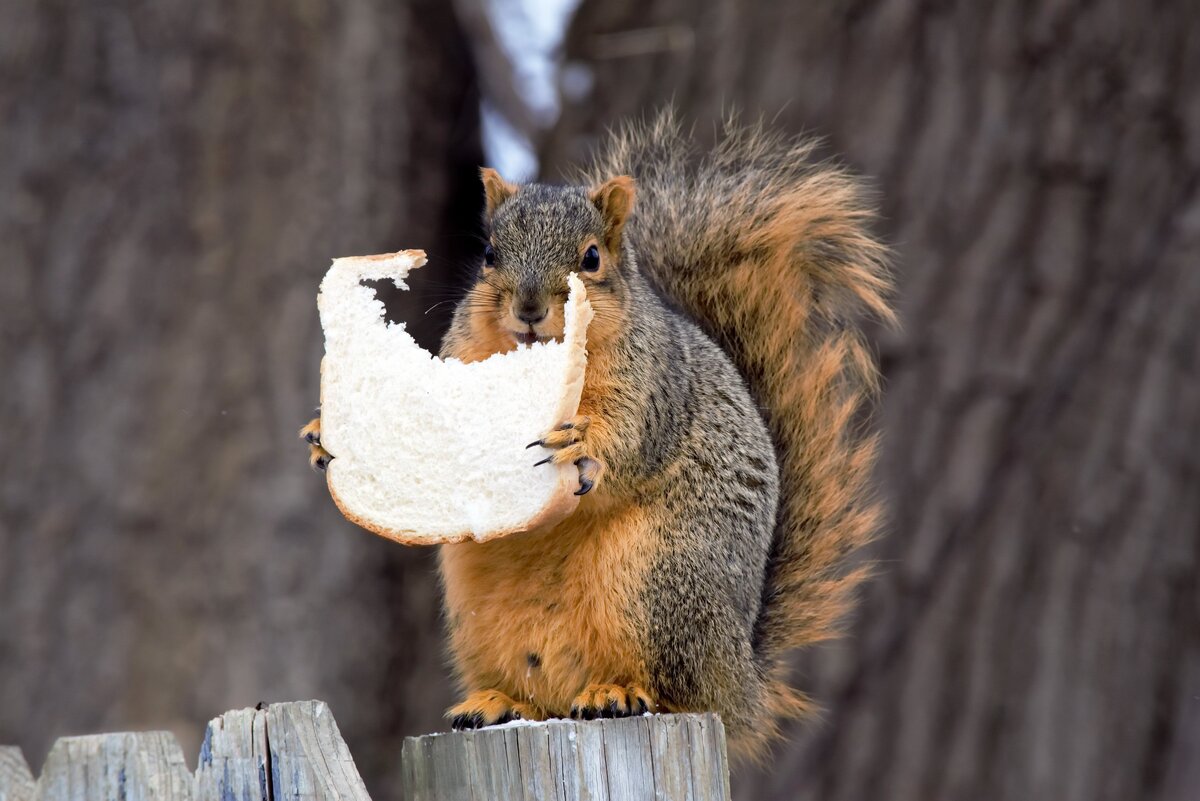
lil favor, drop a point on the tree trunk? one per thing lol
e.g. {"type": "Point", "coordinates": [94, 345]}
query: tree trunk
{"type": "Point", "coordinates": [175, 178]}
{"type": "Point", "coordinates": [1035, 630]}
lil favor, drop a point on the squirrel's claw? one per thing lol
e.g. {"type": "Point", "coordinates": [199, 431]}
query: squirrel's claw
{"type": "Point", "coordinates": [611, 701]}
{"type": "Point", "coordinates": [568, 446]}
{"type": "Point", "coordinates": [589, 473]}
{"type": "Point", "coordinates": [311, 433]}
{"type": "Point", "coordinates": [567, 434]}
{"type": "Point", "coordinates": [318, 457]}
{"type": "Point", "coordinates": [590, 468]}
{"type": "Point", "coordinates": [489, 708]}
{"type": "Point", "coordinates": [557, 439]}
{"type": "Point", "coordinates": [467, 720]}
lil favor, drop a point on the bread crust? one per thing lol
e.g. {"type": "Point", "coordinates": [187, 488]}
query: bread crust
{"type": "Point", "coordinates": [561, 504]}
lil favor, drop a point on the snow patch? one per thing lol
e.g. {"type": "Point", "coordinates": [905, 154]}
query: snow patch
{"type": "Point", "coordinates": [531, 33]}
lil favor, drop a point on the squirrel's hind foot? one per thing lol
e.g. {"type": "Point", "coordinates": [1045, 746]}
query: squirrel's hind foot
{"type": "Point", "coordinates": [568, 444]}
{"type": "Point", "coordinates": [611, 701]}
{"type": "Point", "coordinates": [489, 708]}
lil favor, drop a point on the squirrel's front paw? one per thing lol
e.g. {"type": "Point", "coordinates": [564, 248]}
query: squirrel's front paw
{"type": "Point", "coordinates": [318, 457]}
{"type": "Point", "coordinates": [489, 708]}
{"type": "Point", "coordinates": [611, 701]}
{"type": "Point", "coordinates": [568, 443]}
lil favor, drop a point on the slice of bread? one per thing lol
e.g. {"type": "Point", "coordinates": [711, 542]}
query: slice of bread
{"type": "Point", "coordinates": [427, 450]}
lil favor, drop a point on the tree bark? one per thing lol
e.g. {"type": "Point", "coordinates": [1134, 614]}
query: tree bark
{"type": "Point", "coordinates": [176, 177]}
{"type": "Point", "coordinates": [1035, 630]}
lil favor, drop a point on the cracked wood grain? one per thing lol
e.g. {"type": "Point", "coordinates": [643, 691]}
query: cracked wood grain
{"type": "Point", "coordinates": [16, 782]}
{"type": "Point", "coordinates": [649, 758]}
{"type": "Point", "coordinates": [282, 752]}
{"type": "Point", "coordinates": [144, 766]}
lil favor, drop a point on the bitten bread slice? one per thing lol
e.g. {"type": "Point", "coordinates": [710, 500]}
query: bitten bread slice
{"type": "Point", "coordinates": [427, 450]}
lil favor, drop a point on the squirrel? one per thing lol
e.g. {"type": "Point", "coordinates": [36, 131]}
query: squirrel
{"type": "Point", "coordinates": [723, 457]}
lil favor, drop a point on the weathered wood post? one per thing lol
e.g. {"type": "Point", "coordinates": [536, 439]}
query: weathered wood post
{"type": "Point", "coordinates": [16, 782]}
{"type": "Point", "coordinates": [648, 758]}
{"type": "Point", "coordinates": [309, 758]}
{"type": "Point", "coordinates": [283, 752]}
{"type": "Point", "coordinates": [146, 766]}
{"type": "Point", "coordinates": [235, 758]}
{"type": "Point", "coordinates": [294, 752]}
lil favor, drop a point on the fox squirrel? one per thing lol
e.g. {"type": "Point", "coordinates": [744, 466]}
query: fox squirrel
{"type": "Point", "coordinates": [722, 459]}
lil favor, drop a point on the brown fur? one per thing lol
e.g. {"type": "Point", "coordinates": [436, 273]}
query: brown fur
{"type": "Point", "coordinates": [770, 255]}
{"type": "Point", "coordinates": [614, 198]}
{"type": "Point", "coordinates": [496, 190]}
{"type": "Point", "coordinates": [780, 278]}
{"type": "Point", "coordinates": [519, 632]}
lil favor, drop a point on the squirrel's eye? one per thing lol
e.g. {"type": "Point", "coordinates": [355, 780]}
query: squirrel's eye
{"type": "Point", "coordinates": [591, 260]}
{"type": "Point", "coordinates": [489, 256]}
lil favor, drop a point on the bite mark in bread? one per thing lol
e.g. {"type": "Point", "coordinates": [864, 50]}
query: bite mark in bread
{"type": "Point", "coordinates": [426, 450]}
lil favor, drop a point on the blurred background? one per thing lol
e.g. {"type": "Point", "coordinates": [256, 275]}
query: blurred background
{"type": "Point", "coordinates": [175, 176]}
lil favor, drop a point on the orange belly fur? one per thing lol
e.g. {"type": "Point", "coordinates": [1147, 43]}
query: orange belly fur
{"type": "Point", "coordinates": [541, 615]}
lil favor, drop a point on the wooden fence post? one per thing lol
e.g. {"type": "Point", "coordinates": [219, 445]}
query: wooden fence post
{"type": "Point", "coordinates": [294, 752]}
{"type": "Point", "coordinates": [147, 766]}
{"type": "Point", "coordinates": [16, 782]}
{"type": "Point", "coordinates": [234, 762]}
{"type": "Point", "coordinates": [309, 758]}
{"type": "Point", "coordinates": [648, 758]}
{"type": "Point", "coordinates": [284, 752]}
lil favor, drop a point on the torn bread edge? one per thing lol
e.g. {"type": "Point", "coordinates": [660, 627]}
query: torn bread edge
{"type": "Point", "coordinates": [577, 317]}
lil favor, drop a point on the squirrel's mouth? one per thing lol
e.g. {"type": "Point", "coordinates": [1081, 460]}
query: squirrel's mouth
{"type": "Point", "coordinates": [529, 337]}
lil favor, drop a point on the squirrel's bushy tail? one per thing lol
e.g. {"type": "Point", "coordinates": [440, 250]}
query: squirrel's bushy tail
{"type": "Point", "coordinates": [771, 254]}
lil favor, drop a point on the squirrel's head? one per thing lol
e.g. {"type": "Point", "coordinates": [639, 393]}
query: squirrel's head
{"type": "Point", "coordinates": [537, 235]}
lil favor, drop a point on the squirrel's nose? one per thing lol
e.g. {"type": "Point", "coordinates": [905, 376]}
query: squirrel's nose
{"type": "Point", "coordinates": [530, 312]}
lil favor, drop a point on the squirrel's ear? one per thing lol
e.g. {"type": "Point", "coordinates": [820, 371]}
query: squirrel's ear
{"type": "Point", "coordinates": [614, 198]}
{"type": "Point", "coordinates": [496, 189]}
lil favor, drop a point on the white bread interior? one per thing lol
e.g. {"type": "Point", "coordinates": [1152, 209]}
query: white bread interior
{"type": "Point", "coordinates": [427, 450]}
